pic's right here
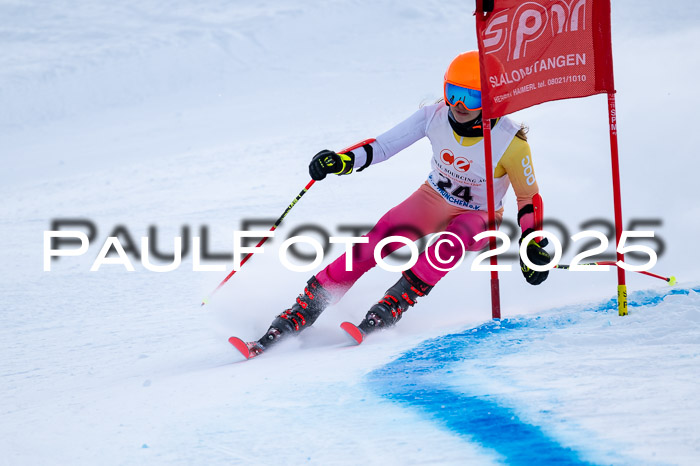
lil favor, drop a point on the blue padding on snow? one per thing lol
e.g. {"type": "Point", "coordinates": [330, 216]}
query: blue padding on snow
{"type": "Point", "coordinates": [420, 378]}
{"type": "Point", "coordinates": [647, 298]}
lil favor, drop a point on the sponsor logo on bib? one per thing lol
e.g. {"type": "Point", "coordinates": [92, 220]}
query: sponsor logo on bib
{"type": "Point", "coordinates": [460, 164]}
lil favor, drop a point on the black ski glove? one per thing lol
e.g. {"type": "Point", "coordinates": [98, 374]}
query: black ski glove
{"type": "Point", "coordinates": [538, 256]}
{"type": "Point", "coordinates": [327, 161]}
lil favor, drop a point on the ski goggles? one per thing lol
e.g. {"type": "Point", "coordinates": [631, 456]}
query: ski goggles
{"type": "Point", "coordinates": [470, 98]}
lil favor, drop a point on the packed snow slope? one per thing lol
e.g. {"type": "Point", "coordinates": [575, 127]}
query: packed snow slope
{"type": "Point", "coordinates": [184, 116]}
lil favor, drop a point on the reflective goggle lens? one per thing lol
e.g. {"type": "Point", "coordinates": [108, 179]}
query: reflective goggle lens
{"type": "Point", "coordinates": [471, 98]}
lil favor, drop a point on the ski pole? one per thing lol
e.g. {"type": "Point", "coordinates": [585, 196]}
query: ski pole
{"type": "Point", "coordinates": [277, 223]}
{"type": "Point", "coordinates": [260, 243]}
{"type": "Point", "coordinates": [670, 280]}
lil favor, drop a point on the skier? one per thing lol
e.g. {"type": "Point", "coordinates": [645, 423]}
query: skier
{"type": "Point", "coordinates": [453, 199]}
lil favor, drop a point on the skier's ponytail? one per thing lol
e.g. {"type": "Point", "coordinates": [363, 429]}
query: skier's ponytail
{"type": "Point", "coordinates": [522, 132]}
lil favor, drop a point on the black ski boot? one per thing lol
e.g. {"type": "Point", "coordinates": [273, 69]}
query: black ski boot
{"type": "Point", "coordinates": [310, 304]}
{"type": "Point", "coordinates": [395, 302]}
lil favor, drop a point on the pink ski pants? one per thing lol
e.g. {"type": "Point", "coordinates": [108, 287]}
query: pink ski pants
{"type": "Point", "coordinates": [423, 213]}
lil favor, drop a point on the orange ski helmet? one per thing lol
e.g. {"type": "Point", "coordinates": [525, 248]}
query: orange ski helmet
{"type": "Point", "coordinates": [464, 70]}
{"type": "Point", "coordinates": [463, 81]}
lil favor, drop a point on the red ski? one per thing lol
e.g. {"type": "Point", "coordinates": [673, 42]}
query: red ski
{"type": "Point", "coordinates": [354, 331]}
{"type": "Point", "coordinates": [248, 350]}
{"type": "Point", "coordinates": [251, 349]}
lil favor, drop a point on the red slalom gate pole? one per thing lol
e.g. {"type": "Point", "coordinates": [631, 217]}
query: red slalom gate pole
{"type": "Point", "coordinates": [617, 199]}
{"type": "Point", "coordinates": [277, 223]}
{"type": "Point", "coordinates": [481, 10]}
{"type": "Point", "coordinates": [495, 285]}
